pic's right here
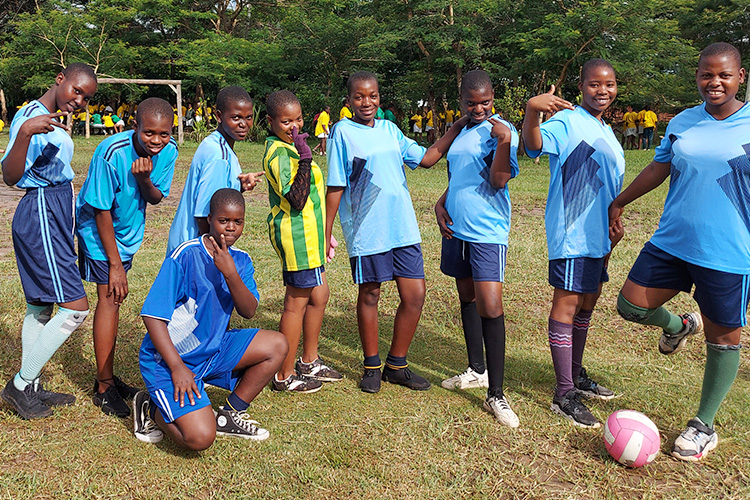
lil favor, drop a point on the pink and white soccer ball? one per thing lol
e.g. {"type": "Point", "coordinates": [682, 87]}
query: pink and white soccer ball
{"type": "Point", "coordinates": [631, 438]}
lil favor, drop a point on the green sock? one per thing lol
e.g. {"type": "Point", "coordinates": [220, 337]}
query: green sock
{"type": "Point", "coordinates": [722, 364]}
{"type": "Point", "coordinates": [670, 322]}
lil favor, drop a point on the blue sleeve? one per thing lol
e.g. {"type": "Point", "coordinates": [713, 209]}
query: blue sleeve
{"type": "Point", "coordinates": [213, 177]}
{"type": "Point", "coordinates": [554, 137]}
{"type": "Point", "coordinates": [248, 275]}
{"type": "Point", "coordinates": [663, 152]}
{"type": "Point", "coordinates": [101, 184]}
{"type": "Point", "coordinates": [336, 152]}
{"type": "Point", "coordinates": [411, 152]}
{"type": "Point", "coordinates": [166, 292]}
{"type": "Point", "coordinates": [163, 178]}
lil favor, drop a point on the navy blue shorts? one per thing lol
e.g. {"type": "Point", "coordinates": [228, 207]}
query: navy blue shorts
{"type": "Point", "coordinates": [723, 297]}
{"type": "Point", "coordinates": [217, 371]}
{"type": "Point", "coordinates": [579, 275]}
{"type": "Point", "coordinates": [481, 261]}
{"type": "Point", "coordinates": [307, 278]}
{"type": "Point", "coordinates": [97, 271]}
{"type": "Point", "coordinates": [403, 262]}
{"type": "Point", "coordinates": [43, 241]}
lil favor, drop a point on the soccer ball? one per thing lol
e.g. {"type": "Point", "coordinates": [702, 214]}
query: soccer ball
{"type": "Point", "coordinates": [631, 438]}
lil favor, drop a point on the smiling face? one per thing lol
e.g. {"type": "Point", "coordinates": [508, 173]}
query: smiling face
{"type": "Point", "coordinates": [719, 77]}
{"type": "Point", "coordinates": [477, 103]}
{"type": "Point", "coordinates": [287, 117]}
{"type": "Point", "coordinates": [235, 121]}
{"type": "Point", "coordinates": [599, 89]}
{"type": "Point", "coordinates": [73, 91]}
{"type": "Point", "coordinates": [365, 100]}
{"type": "Point", "coordinates": [229, 220]}
{"type": "Point", "coordinates": [152, 133]}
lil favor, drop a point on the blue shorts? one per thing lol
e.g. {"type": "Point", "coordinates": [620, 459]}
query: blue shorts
{"type": "Point", "coordinates": [217, 370]}
{"type": "Point", "coordinates": [722, 297]}
{"type": "Point", "coordinates": [97, 271]}
{"type": "Point", "coordinates": [579, 275]}
{"type": "Point", "coordinates": [307, 278]}
{"type": "Point", "coordinates": [481, 261]}
{"type": "Point", "coordinates": [403, 262]}
{"type": "Point", "coordinates": [43, 241]}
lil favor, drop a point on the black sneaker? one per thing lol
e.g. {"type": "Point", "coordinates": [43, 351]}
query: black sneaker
{"type": "Point", "coordinates": [238, 424]}
{"type": "Point", "coordinates": [125, 390]}
{"type": "Point", "coordinates": [25, 402]}
{"type": "Point", "coordinates": [370, 380]}
{"type": "Point", "coordinates": [571, 407]}
{"type": "Point", "coordinates": [590, 389]}
{"type": "Point", "coordinates": [144, 428]}
{"type": "Point", "coordinates": [296, 383]}
{"type": "Point", "coordinates": [110, 401]}
{"type": "Point", "coordinates": [51, 398]}
{"type": "Point", "coordinates": [405, 377]}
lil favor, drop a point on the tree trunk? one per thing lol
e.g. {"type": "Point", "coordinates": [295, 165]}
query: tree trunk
{"type": "Point", "coordinates": [3, 108]}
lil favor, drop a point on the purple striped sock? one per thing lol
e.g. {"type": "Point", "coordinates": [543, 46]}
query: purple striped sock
{"type": "Point", "coordinates": [580, 332]}
{"type": "Point", "coordinates": [560, 345]}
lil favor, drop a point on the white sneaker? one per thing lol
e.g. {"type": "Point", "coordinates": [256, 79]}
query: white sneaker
{"type": "Point", "coordinates": [695, 441]}
{"type": "Point", "coordinates": [144, 428]}
{"type": "Point", "coordinates": [672, 343]}
{"type": "Point", "coordinates": [467, 380]}
{"type": "Point", "coordinates": [502, 411]}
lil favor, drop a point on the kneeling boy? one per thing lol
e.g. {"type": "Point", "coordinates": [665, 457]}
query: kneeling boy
{"type": "Point", "coordinates": [188, 345]}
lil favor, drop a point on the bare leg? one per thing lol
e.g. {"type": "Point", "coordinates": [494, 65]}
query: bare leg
{"type": "Point", "coordinates": [313, 321]}
{"type": "Point", "coordinates": [106, 319]}
{"type": "Point", "coordinates": [295, 303]}
{"type": "Point", "coordinates": [412, 293]}
{"type": "Point", "coordinates": [367, 317]}
{"type": "Point", "coordinates": [195, 431]}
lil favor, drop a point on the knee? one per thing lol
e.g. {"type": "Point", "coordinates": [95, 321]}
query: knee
{"type": "Point", "coordinates": [491, 309]}
{"type": "Point", "coordinates": [415, 299]}
{"type": "Point", "coordinates": [73, 319]}
{"type": "Point", "coordinates": [369, 297]}
{"type": "Point", "coordinates": [199, 438]}
{"type": "Point", "coordinates": [631, 312]}
{"type": "Point", "coordinates": [278, 347]}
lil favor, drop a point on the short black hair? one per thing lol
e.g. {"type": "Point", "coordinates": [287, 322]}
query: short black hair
{"type": "Point", "coordinates": [233, 93]}
{"type": "Point", "coordinates": [360, 76]}
{"type": "Point", "coordinates": [154, 106]}
{"type": "Point", "coordinates": [595, 63]}
{"type": "Point", "coordinates": [226, 197]}
{"type": "Point", "coordinates": [475, 80]}
{"type": "Point", "coordinates": [278, 100]}
{"type": "Point", "coordinates": [79, 69]}
{"type": "Point", "coordinates": [721, 49]}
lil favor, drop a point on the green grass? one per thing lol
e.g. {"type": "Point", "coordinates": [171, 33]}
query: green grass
{"type": "Point", "coordinates": [342, 443]}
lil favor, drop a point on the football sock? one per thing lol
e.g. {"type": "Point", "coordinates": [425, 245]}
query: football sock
{"type": "Point", "coordinates": [560, 344]}
{"type": "Point", "coordinates": [670, 322]}
{"type": "Point", "coordinates": [373, 362]}
{"type": "Point", "coordinates": [236, 403]}
{"type": "Point", "coordinates": [580, 332]}
{"type": "Point", "coordinates": [493, 330]}
{"type": "Point", "coordinates": [52, 336]}
{"type": "Point", "coordinates": [33, 324]}
{"type": "Point", "coordinates": [395, 362]}
{"type": "Point", "coordinates": [722, 363]}
{"type": "Point", "coordinates": [472, 324]}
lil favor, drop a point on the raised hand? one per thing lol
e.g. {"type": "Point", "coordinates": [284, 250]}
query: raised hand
{"type": "Point", "coordinates": [249, 180]}
{"type": "Point", "coordinates": [43, 123]}
{"type": "Point", "coordinates": [499, 129]}
{"type": "Point", "coordinates": [548, 103]}
{"type": "Point", "coordinates": [142, 168]}
{"type": "Point", "coordinates": [222, 258]}
{"type": "Point", "coordinates": [300, 142]}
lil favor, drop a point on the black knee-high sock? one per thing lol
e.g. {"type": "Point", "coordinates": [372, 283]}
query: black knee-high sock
{"type": "Point", "coordinates": [472, 324]}
{"type": "Point", "coordinates": [493, 330]}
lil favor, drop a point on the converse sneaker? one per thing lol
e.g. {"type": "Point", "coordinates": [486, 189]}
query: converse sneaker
{"type": "Point", "coordinates": [502, 411]}
{"type": "Point", "coordinates": [370, 380]}
{"type": "Point", "coordinates": [295, 383]}
{"type": "Point", "coordinates": [238, 424]}
{"type": "Point", "coordinates": [145, 429]}
{"type": "Point", "coordinates": [405, 377]}
{"type": "Point", "coordinates": [110, 401]}
{"type": "Point", "coordinates": [25, 402]}
{"type": "Point", "coordinates": [317, 370]}
{"type": "Point", "coordinates": [670, 343]}
{"type": "Point", "coordinates": [571, 407]}
{"type": "Point", "coordinates": [51, 398]}
{"type": "Point", "coordinates": [467, 380]}
{"type": "Point", "coordinates": [590, 389]}
{"type": "Point", "coordinates": [695, 441]}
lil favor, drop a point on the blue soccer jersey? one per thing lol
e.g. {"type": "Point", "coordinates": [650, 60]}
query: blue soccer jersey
{"type": "Point", "coordinates": [214, 166]}
{"type": "Point", "coordinates": [706, 219]}
{"type": "Point", "coordinates": [376, 210]}
{"type": "Point", "coordinates": [480, 213]}
{"type": "Point", "coordinates": [49, 155]}
{"type": "Point", "coordinates": [192, 296]}
{"type": "Point", "coordinates": [587, 166]}
{"type": "Point", "coordinates": [110, 185]}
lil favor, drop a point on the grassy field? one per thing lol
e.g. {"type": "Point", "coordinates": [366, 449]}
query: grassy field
{"type": "Point", "coordinates": [342, 443]}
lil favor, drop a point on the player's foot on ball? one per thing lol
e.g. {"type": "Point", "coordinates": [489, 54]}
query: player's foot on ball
{"type": "Point", "coordinates": [405, 377]}
{"type": "Point", "coordinates": [695, 441]}
{"type": "Point", "coordinates": [570, 406]}
{"type": "Point", "coordinates": [370, 380]}
{"type": "Point", "coordinates": [296, 383]}
{"type": "Point", "coordinates": [144, 428]}
{"type": "Point", "coordinates": [239, 424]}
{"type": "Point", "coordinates": [317, 370]}
{"type": "Point", "coordinates": [467, 380]}
{"type": "Point", "coordinates": [499, 407]}
{"type": "Point", "coordinates": [26, 402]}
{"type": "Point", "coordinates": [670, 343]}
{"type": "Point", "coordinates": [110, 400]}
{"type": "Point", "coordinates": [590, 389]}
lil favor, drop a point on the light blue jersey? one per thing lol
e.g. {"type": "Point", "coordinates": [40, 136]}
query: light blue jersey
{"type": "Point", "coordinates": [111, 185]}
{"type": "Point", "coordinates": [215, 166]}
{"type": "Point", "coordinates": [480, 213]}
{"type": "Point", "coordinates": [376, 210]}
{"type": "Point", "coordinates": [587, 166]}
{"type": "Point", "coordinates": [706, 219]}
{"type": "Point", "coordinates": [49, 155]}
{"type": "Point", "coordinates": [192, 296]}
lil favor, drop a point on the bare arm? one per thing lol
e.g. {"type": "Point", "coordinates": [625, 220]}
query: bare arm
{"type": "Point", "coordinates": [142, 171]}
{"type": "Point", "coordinates": [118, 280]}
{"type": "Point", "coordinates": [501, 170]}
{"type": "Point", "coordinates": [333, 200]}
{"type": "Point", "coordinates": [441, 146]}
{"type": "Point", "coordinates": [547, 103]}
{"type": "Point", "coordinates": [245, 302]}
{"type": "Point", "coordinates": [650, 178]}
{"type": "Point", "coordinates": [443, 218]}
{"type": "Point", "coordinates": [14, 164]}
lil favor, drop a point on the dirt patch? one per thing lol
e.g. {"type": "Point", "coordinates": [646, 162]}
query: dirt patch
{"type": "Point", "coordinates": [9, 197]}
